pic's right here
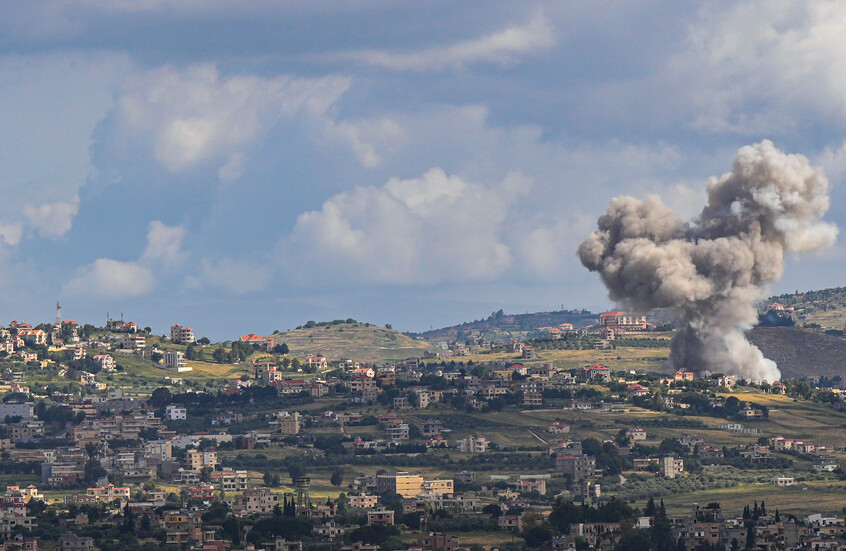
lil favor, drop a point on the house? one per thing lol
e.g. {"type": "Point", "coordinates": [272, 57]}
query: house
{"type": "Point", "coordinates": [133, 341]}
{"type": "Point", "coordinates": [637, 389]}
{"type": "Point", "coordinates": [71, 542]}
{"type": "Point", "coordinates": [596, 372]}
{"type": "Point", "coordinates": [106, 362]}
{"type": "Point", "coordinates": [437, 541]}
{"type": "Point", "coordinates": [512, 523]}
{"type": "Point", "coordinates": [181, 335]}
{"type": "Point", "coordinates": [473, 444]}
{"type": "Point", "coordinates": [383, 517]}
{"type": "Point", "coordinates": [175, 413]}
{"type": "Point", "coordinates": [108, 493]}
{"type": "Point", "coordinates": [636, 435]}
{"type": "Point", "coordinates": [783, 481]}
{"type": "Point", "coordinates": [257, 500]}
{"type": "Point", "coordinates": [622, 322]}
{"type": "Point", "coordinates": [579, 467]}
{"type": "Point", "coordinates": [558, 428]}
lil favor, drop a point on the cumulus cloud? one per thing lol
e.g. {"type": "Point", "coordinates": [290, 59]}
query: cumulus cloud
{"type": "Point", "coordinates": [436, 227]}
{"type": "Point", "coordinates": [193, 116]}
{"type": "Point", "coordinates": [767, 69]}
{"type": "Point", "coordinates": [503, 47]}
{"type": "Point", "coordinates": [164, 245]}
{"type": "Point", "coordinates": [52, 219]}
{"type": "Point", "coordinates": [109, 278]}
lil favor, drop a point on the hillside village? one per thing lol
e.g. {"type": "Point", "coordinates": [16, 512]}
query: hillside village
{"type": "Point", "coordinates": [571, 438]}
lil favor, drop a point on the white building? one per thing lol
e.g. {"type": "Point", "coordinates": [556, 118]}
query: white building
{"type": "Point", "coordinates": [176, 413]}
{"type": "Point", "coordinates": [175, 361]}
{"type": "Point", "coordinates": [133, 341]}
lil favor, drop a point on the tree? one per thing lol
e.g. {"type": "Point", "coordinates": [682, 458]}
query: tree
{"type": "Point", "coordinates": [337, 477]}
{"type": "Point", "coordinates": [203, 340]}
{"type": "Point", "coordinates": [220, 355]}
{"type": "Point", "coordinates": [161, 397]}
{"type": "Point", "coordinates": [296, 470]}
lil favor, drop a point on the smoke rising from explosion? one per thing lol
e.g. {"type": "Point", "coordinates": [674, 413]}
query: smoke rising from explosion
{"type": "Point", "coordinates": [713, 270]}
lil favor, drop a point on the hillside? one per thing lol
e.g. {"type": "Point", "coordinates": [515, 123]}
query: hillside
{"type": "Point", "coordinates": [358, 341]}
{"type": "Point", "coordinates": [502, 327]}
{"type": "Point", "coordinates": [826, 307]}
{"type": "Point", "coordinates": [801, 352]}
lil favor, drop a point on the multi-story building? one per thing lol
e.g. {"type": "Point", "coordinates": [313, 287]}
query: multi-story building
{"type": "Point", "coordinates": [402, 483]}
{"type": "Point", "coordinates": [181, 335]}
{"type": "Point", "coordinates": [384, 517]}
{"type": "Point", "coordinates": [437, 541]}
{"type": "Point", "coordinates": [174, 360]}
{"type": "Point", "coordinates": [622, 322]}
{"type": "Point", "coordinates": [196, 459]}
{"type": "Point", "coordinates": [671, 467]}
{"type": "Point", "coordinates": [106, 362]}
{"type": "Point", "coordinates": [229, 480]}
{"type": "Point", "coordinates": [397, 432]}
{"type": "Point", "coordinates": [579, 467]}
{"type": "Point", "coordinates": [133, 341]}
{"type": "Point", "coordinates": [362, 501]}
{"type": "Point", "coordinates": [176, 413]}
{"type": "Point", "coordinates": [257, 500]}
{"type": "Point", "coordinates": [473, 444]}
{"type": "Point", "coordinates": [108, 493]}
{"type": "Point", "coordinates": [438, 486]}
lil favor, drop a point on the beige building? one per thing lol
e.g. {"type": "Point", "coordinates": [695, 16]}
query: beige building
{"type": "Point", "coordinates": [196, 459]}
{"type": "Point", "coordinates": [402, 483]}
{"type": "Point", "coordinates": [257, 500]}
{"type": "Point", "coordinates": [362, 501]}
{"type": "Point", "coordinates": [671, 467]}
{"type": "Point", "coordinates": [438, 486]}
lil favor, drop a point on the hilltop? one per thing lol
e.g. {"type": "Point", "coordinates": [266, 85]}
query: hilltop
{"type": "Point", "coordinates": [351, 339]}
{"type": "Point", "coordinates": [824, 307]}
{"type": "Point", "coordinates": [501, 327]}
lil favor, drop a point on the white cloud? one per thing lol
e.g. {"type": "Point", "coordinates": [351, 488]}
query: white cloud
{"type": "Point", "coordinates": [503, 47]}
{"type": "Point", "coordinates": [52, 219]}
{"type": "Point", "coordinates": [111, 279]}
{"type": "Point", "coordinates": [164, 245]}
{"type": "Point", "coordinates": [195, 115]}
{"type": "Point", "coordinates": [761, 67]}
{"type": "Point", "coordinates": [11, 233]}
{"type": "Point", "coordinates": [428, 229]}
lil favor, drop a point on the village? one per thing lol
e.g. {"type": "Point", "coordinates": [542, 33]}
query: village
{"type": "Point", "coordinates": [420, 453]}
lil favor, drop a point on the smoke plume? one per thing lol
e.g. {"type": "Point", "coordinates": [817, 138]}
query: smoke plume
{"type": "Point", "coordinates": [714, 269]}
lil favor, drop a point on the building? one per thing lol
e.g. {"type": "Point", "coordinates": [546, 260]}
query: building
{"type": "Point", "coordinates": [362, 501]}
{"type": "Point", "coordinates": [384, 517]}
{"type": "Point", "coordinates": [133, 341]}
{"type": "Point", "coordinates": [288, 422]}
{"type": "Point", "coordinates": [181, 335]}
{"type": "Point", "coordinates": [437, 541]}
{"type": "Point", "coordinates": [671, 467]}
{"type": "Point", "coordinates": [405, 484]}
{"type": "Point", "coordinates": [579, 467]}
{"type": "Point", "coordinates": [622, 322]}
{"type": "Point", "coordinates": [109, 493]}
{"type": "Point", "coordinates": [176, 413]}
{"type": "Point", "coordinates": [532, 398]}
{"type": "Point", "coordinates": [636, 435]}
{"type": "Point", "coordinates": [397, 432]}
{"type": "Point", "coordinates": [196, 459]}
{"type": "Point", "coordinates": [473, 444]}
{"type": "Point", "coordinates": [106, 362]}
{"type": "Point", "coordinates": [439, 486]}
{"type": "Point", "coordinates": [71, 542]}
{"type": "Point", "coordinates": [174, 360]}
{"type": "Point", "coordinates": [257, 500]}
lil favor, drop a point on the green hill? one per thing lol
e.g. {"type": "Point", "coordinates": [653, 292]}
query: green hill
{"type": "Point", "coordinates": [354, 340]}
{"type": "Point", "coordinates": [825, 307]}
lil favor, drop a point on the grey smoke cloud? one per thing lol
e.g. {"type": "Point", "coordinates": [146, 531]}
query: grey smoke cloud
{"type": "Point", "coordinates": [714, 269]}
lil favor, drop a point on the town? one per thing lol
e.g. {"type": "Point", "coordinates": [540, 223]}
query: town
{"type": "Point", "coordinates": [115, 438]}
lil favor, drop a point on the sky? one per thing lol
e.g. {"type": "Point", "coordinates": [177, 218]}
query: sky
{"type": "Point", "coordinates": [246, 167]}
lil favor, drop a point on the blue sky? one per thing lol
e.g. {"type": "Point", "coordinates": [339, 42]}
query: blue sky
{"type": "Point", "coordinates": [245, 167]}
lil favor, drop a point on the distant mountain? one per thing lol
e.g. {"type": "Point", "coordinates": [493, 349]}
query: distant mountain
{"type": "Point", "coordinates": [351, 339]}
{"type": "Point", "coordinates": [499, 326]}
